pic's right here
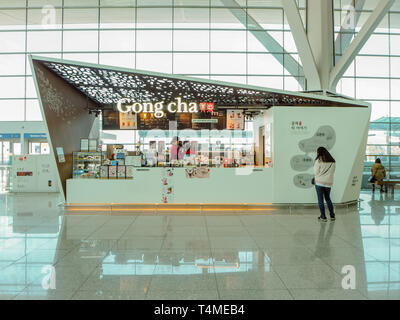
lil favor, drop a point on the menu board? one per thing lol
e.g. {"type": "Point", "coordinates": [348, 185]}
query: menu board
{"type": "Point", "coordinates": [128, 121]}
{"type": "Point", "coordinates": [112, 120]}
{"type": "Point", "coordinates": [235, 120]}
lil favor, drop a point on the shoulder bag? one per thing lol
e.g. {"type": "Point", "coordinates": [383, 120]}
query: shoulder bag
{"type": "Point", "coordinates": [313, 179]}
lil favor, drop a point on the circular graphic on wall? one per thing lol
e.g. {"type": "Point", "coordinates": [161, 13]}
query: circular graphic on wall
{"type": "Point", "coordinates": [301, 162]}
{"type": "Point", "coordinates": [303, 180]}
{"type": "Point", "coordinates": [324, 137]}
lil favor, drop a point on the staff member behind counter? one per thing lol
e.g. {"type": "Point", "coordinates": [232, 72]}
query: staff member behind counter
{"type": "Point", "coordinates": [176, 150]}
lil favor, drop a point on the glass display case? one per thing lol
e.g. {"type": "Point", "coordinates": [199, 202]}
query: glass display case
{"type": "Point", "coordinates": [86, 165]}
{"type": "Point", "coordinates": [218, 148]}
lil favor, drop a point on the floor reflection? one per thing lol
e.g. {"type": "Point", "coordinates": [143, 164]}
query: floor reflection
{"type": "Point", "coordinates": [240, 256]}
{"type": "Point", "coordinates": [380, 227]}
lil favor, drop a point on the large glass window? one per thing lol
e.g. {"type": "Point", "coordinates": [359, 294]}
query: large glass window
{"type": "Point", "coordinates": [13, 19]}
{"type": "Point", "coordinates": [12, 110]}
{"type": "Point", "coordinates": [154, 40]}
{"type": "Point", "coordinates": [228, 63]}
{"type": "Point", "coordinates": [33, 112]}
{"type": "Point", "coordinates": [12, 41]}
{"type": "Point", "coordinates": [44, 18]}
{"type": "Point", "coordinates": [117, 18]}
{"type": "Point", "coordinates": [205, 39]}
{"type": "Point", "coordinates": [191, 63]}
{"type": "Point", "coordinates": [375, 77]}
{"type": "Point", "coordinates": [80, 41]}
{"type": "Point", "coordinates": [160, 62]}
{"type": "Point", "coordinates": [228, 40]}
{"type": "Point", "coordinates": [81, 19]}
{"type": "Point", "coordinates": [124, 60]}
{"type": "Point", "coordinates": [120, 40]}
{"type": "Point", "coordinates": [264, 64]}
{"type": "Point", "coordinates": [191, 40]}
{"type": "Point", "coordinates": [44, 41]}
{"type": "Point", "coordinates": [12, 64]}
{"type": "Point", "coordinates": [13, 87]}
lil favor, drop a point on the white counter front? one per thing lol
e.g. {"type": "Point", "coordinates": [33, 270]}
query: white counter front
{"type": "Point", "coordinates": [295, 135]}
{"type": "Point", "coordinates": [224, 185]}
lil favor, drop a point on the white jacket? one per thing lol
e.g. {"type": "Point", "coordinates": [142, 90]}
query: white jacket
{"type": "Point", "coordinates": [324, 172]}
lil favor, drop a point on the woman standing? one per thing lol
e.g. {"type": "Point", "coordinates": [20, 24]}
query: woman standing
{"type": "Point", "coordinates": [324, 169]}
{"type": "Point", "coordinates": [378, 173]}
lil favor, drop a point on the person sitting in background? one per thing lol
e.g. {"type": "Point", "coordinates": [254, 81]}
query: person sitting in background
{"type": "Point", "coordinates": [378, 173]}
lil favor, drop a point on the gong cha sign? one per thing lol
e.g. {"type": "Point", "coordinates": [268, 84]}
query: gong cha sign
{"type": "Point", "coordinates": [125, 105]}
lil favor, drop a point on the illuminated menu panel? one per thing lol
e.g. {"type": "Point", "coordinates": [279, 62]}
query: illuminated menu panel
{"type": "Point", "coordinates": [112, 120]}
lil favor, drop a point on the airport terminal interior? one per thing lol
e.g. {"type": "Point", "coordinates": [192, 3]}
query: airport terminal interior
{"type": "Point", "coordinates": [164, 149]}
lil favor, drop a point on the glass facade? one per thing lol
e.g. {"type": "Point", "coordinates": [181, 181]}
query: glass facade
{"type": "Point", "coordinates": [212, 39]}
{"type": "Point", "coordinates": [374, 76]}
{"type": "Point", "coordinates": [242, 41]}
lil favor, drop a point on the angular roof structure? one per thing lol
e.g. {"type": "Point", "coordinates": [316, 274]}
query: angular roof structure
{"type": "Point", "coordinates": [105, 85]}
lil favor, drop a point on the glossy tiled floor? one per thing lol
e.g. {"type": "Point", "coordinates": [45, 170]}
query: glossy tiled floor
{"type": "Point", "coordinates": [282, 255]}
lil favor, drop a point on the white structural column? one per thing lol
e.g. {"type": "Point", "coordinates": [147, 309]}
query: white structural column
{"type": "Point", "coordinates": [320, 35]}
{"type": "Point", "coordinates": [358, 42]}
{"type": "Point", "coordinates": [302, 44]}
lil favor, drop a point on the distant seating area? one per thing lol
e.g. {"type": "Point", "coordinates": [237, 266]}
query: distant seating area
{"type": "Point", "coordinates": [388, 184]}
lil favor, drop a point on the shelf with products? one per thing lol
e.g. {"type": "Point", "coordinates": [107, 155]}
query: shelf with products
{"type": "Point", "coordinates": [86, 165]}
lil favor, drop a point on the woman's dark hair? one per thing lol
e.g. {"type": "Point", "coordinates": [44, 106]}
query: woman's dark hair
{"type": "Point", "coordinates": [324, 155]}
{"type": "Point", "coordinates": [378, 160]}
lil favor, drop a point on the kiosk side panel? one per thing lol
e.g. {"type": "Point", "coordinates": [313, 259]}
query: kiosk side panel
{"type": "Point", "coordinates": [298, 132]}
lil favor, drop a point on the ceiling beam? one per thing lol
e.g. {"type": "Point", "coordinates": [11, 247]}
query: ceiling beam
{"type": "Point", "coordinates": [302, 44]}
{"type": "Point", "coordinates": [362, 37]}
{"type": "Point", "coordinates": [267, 41]}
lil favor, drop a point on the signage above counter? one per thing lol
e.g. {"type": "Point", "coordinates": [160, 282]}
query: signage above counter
{"type": "Point", "coordinates": [124, 105]}
{"type": "Point", "coordinates": [177, 115]}
{"type": "Point", "coordinates": [174, 115]}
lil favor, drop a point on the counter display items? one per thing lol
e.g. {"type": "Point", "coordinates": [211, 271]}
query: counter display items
{"type": "Point", "coordinates": [86, 165]}
{"type": "Point", "coordinates": [121, 172]}
{"type": "Point", "coordinates": [103, 172]}
{"type": "Point", "coordinates": [129, 172]}
{"type": "Point", "coordinates": [112, 172]}
{"type": "Point", "coordinates": [235, 120]}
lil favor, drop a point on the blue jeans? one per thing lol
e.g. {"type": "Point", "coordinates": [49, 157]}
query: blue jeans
{"type": "Point", "coordinates": [324, 192]}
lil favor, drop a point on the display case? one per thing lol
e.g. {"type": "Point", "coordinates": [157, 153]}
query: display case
{"type": "Point", "coordinates": [86, 165]}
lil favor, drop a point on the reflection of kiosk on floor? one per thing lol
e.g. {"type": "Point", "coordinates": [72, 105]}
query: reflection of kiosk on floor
{"type": "Point", "coordinates": [256, 145]}
{"type": "Point", "coordinates": [36, 215]}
